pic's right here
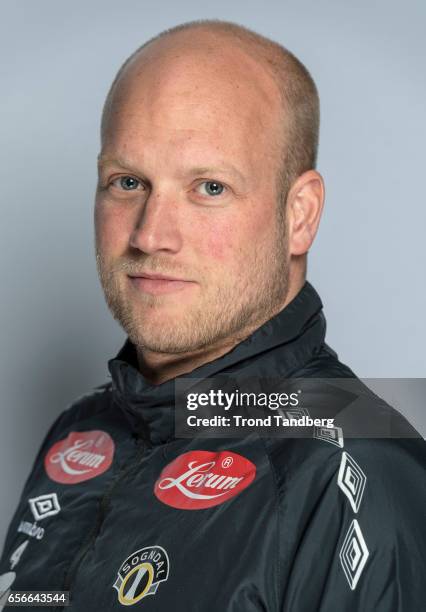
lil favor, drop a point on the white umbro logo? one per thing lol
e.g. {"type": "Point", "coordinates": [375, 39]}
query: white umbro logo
{"type": "Point", "coordinates": [334, 435]}
{"type": "Point", "coordinates": [44, 505]}
{"type": "Point", "coordinates": [351, 480]}
{"type": "Point", "coordinates": [353, 554]}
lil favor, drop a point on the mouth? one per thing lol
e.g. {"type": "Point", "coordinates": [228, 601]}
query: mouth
{"type": "Point", "coordinates": [155, 276]}
{"type": "Point", "coordinates": [158, 284]}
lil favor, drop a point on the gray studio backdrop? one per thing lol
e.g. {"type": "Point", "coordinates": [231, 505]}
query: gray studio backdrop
{"type": "Point", "coordinates": [57, 62]}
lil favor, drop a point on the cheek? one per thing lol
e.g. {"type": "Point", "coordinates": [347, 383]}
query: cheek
{"type": "Point", "coordinates": [229, 243]}
{"type": "Point", "coordinates": [110, 229]}
{"type": "Point", "coordinates": [218, 244]}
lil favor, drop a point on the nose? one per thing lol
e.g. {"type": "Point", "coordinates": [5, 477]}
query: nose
{"type": "Point", "coordinates": [157, 226]}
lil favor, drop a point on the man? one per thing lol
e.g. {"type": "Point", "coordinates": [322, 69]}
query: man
{"type": "Point", "coordinates": [207, 204]}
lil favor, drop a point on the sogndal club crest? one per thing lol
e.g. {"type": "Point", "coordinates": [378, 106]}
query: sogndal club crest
{"type": "Point", "coordinates": [141, 573]}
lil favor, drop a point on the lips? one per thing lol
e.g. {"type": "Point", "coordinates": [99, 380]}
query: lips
{"type": "Point", "coordinates": [158, 284]}
{"type": "Point", "coordinates": [155, 276]}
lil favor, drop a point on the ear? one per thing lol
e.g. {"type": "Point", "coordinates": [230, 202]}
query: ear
{"type": "Point", "coordinates": [304, 206]}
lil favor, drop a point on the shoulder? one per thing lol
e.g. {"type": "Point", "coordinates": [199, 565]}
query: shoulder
{"type": "Point", "coordinates": [81, 412]}
{"type": "Point", "coordinates": [331, 457]}
{"type": "Point", "coordinates": [89, 404]}
{"type": "Point", "coordinates": [357, 409]}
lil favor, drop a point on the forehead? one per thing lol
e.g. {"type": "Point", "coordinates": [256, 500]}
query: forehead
{"type": "Point", "coordinates": [198, 96]}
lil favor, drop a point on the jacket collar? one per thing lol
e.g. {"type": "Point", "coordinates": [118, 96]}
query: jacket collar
{"type": "Point", "coordinates": [284, 343]}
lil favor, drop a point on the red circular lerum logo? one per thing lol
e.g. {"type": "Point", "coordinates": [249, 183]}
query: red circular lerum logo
{"type": "Point", "coordinates": [80, 456]}
{"type": "Point", "coordinates": [201, 479]}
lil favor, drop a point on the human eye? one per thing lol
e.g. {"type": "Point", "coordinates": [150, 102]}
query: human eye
{"type": "Point", "coordinates": [127, 183]}
{"type": "Point", "coordinates": [211, 188]}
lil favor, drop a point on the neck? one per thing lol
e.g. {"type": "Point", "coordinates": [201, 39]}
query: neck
{"type": "Point", "coordinates": [160, 367]}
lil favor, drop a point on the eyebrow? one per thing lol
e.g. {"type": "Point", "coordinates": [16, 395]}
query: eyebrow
{"type": "Point", "coordinates": [225, 169]}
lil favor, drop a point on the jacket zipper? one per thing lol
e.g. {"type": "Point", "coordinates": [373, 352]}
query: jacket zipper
{"type": "Point", "coordinates": [142, 445]}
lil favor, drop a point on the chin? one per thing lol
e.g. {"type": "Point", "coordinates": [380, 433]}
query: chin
{"type": "Point", "coordinates": [162, 334]}
{"type": "Point", "coordinates": [161, 343]}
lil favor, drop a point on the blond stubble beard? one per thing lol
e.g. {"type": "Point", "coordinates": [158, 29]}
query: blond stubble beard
{"type": "Point", "coordinates": [226, 313]}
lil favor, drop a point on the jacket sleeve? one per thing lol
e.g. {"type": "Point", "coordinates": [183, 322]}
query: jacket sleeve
{"type": "Point", "coordinates": [361, 543]}
{"type": "Point", "coordinates": [50, 435]}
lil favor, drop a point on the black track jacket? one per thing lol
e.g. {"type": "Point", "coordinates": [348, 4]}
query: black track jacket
{"type": "Point", "coordinates": [122, 514]}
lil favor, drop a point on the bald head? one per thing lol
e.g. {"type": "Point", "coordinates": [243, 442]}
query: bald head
{"type": "Point", "coordinates": [246, 63]}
